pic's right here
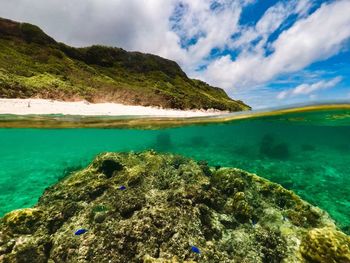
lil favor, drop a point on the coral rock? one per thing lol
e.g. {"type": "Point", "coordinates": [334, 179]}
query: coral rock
{"type": "Point", "coordinates": [170, 204]}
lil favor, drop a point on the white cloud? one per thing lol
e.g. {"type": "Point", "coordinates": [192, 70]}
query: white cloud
{"type": "Point", "coordinates": [270, 21]}
{"type": "Point", "coordinates": [213, 28]}
{"type": "Point", "coordinates": [311, 39]}
{"type": "Point", "coordinates": [306, 89]}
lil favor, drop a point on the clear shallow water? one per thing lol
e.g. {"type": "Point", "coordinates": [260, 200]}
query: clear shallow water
{"type": "Point", "coordinates": [308, 153]}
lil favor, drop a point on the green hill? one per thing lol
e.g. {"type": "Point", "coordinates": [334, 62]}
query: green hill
{"type": "Point", "coordinates": [32, 64]}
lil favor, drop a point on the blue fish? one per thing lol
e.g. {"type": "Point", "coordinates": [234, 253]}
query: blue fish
{"type": "Point", "coordinates": [122, 187]}
{"type": "Point", "coordinates": [254, 222]}
{"type": "Point", "coordinates": [195, 250]}
{"type": "Point", "coordinates": [80, 232]}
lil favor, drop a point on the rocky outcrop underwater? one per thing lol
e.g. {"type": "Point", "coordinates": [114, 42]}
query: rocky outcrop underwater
{"type": "Point", "coordinates": [149, 207]}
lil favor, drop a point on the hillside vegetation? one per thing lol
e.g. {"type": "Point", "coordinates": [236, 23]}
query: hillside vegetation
{"type": "Point", "coordinates": [32, 64]}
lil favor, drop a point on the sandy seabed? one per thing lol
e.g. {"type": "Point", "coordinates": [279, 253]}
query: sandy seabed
{"type": "Point", "coordinates": [44, 106]}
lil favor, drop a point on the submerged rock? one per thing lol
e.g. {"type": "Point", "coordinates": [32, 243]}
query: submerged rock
{"type": "Point", "coordinates": [170, 204]}
{"type": "Point", "coordinates": [272, 149]}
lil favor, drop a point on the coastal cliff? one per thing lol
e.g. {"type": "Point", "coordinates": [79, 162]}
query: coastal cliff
{"type": "Point", "coordinates": [34, 65]}
{"type": "Point", "coordinates": [149, 207]}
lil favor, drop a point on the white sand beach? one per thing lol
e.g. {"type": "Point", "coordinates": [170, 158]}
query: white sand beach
{"type": "Point", "coordinates": [43, 106]}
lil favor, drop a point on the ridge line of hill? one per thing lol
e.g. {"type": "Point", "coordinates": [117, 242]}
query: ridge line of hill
{"type": "Point", "coordinates": [34, 65]}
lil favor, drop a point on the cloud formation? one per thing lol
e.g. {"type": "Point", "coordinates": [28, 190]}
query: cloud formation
{"type": "Point", "coordinates": [306, 89]}
{"type": "Point", "coordinates": [311, 39]}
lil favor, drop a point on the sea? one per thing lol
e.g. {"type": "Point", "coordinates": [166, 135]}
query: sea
{"type": "Point", "coordinates": [306, 149]}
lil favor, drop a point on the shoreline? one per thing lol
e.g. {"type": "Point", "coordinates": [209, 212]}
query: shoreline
{"type": "Point", "coordinates": [161, 118]}
{"type": "Point", "coordinates": [84, 108]}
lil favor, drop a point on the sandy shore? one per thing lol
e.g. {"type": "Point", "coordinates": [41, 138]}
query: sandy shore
{"type": "Point", "coordinates": [42, 106]}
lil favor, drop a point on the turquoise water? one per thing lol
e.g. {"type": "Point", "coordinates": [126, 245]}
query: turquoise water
{"type": "Point", "coordinates": [308, 153]}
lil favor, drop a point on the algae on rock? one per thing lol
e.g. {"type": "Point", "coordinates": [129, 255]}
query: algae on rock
{"type": "Point", "coordinates": [170, 204]}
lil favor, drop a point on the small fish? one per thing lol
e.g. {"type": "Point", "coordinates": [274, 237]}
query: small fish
{"type": "Point", "coordinates": [195, 250]}
{"type": "Point", "coordinates": [122, 187]}
{"type": "Point", "coordinates": [254, 222]}
{"type": "Point", "coordinates": [80, 232]}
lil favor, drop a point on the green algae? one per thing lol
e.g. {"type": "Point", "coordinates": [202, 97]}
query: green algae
{"type": "Point", "coordinates": [231, 215]}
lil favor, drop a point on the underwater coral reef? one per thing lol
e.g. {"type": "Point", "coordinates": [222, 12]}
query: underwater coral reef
{"type": "Point", "coordinates": [149, 207]}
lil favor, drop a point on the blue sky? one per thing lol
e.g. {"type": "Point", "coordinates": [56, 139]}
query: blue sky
{"type": "Point", "coordinates": [266, 52]}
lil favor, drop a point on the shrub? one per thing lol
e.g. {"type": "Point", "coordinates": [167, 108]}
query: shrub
{"type": "Point", "coordinates": [34, 34]}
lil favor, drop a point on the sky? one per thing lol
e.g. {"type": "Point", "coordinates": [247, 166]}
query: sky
{"type": "Point", "coordinates": [267, 53]}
